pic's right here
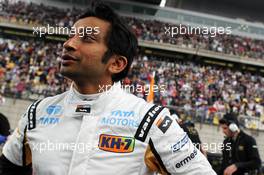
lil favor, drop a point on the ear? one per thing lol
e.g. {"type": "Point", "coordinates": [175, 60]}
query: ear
{"type": "Point", "coordinates": [117, 64]}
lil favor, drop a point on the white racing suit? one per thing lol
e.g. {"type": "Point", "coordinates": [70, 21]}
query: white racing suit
{"type": "Point", "coordinates": [111, 133]}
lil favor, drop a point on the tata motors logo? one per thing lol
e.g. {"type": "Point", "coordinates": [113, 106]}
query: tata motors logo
{"type": "Point", "coordinates": [120, 113]}
{"type": "Point", "coordinates": [121, 118]}
{"type": "Point", "coordinates": [117, 144]}
{"type": "Point", "coordinates": [54, 110]}
{"type": "Point", "coordinates": [186, 159]}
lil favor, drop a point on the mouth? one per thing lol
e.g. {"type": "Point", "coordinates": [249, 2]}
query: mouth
{"type": "Point", "coordinates": [67, 59]}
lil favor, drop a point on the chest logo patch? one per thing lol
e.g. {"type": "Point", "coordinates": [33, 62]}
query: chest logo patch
{"type": "Point", "coordinates": [117, 144]}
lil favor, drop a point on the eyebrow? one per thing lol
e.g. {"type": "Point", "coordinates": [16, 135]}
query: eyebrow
{"type": "Point", "coordinates": [96, 37]}
{"type": "Point", "coordinates": [92, 32]}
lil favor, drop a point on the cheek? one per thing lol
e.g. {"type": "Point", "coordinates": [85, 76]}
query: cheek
{"type": "Point", "coordinates": [87, 60]}
{"type": "Point", "coordinates": [225, 131]}
{"type": "Point", "coordinates": [92, 54]}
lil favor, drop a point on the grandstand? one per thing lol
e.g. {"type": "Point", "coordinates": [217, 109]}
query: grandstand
{"type": "Point", "coordinates": [204, 76]}
{"type": "Point", "coordinates": [226, 8]}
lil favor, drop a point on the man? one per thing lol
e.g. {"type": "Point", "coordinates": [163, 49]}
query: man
{"type": "Point", "coordinates": [96, 127]}
{"type": "Point", "coordinates": [240, 152]}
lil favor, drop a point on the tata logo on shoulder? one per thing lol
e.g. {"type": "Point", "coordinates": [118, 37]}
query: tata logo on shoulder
{"type": "Point", "coordinates": [49, 120]}
{"type": "Point", "coordinates": [186, 159]}
{"type": "Point", "coordinates": [119, 113]}
{"type": "Point", "coordinates": [117, 144]}
{"type": "Point", "coordinates": [54, 110]}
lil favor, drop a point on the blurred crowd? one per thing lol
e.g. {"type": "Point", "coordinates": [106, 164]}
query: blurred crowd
{"type": "Point", "coordinates": [202, 88]}
{"type": "Point", "coordinates": [36, 14]}
{"type": "Point", "coordinates": [147, 30]}
{"type": "Point", "coordinates": [233, 45]}
{"type": "Point", "coordinates": [29, 69]}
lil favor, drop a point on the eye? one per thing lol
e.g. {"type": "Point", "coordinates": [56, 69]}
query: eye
{"type": "Point", "coordinates": [88, 38]}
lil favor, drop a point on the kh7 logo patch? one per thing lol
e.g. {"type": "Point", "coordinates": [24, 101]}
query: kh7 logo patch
{"type": "Point", "coordinates": [117, 144]}
{"type": "Point", "coordinates": [164, 124]}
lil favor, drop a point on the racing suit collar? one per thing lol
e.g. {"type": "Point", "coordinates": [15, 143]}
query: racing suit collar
{"type": "Point", "coordinates": [84, 97]}
{"type": "Point", "coordinates": [98, 101]}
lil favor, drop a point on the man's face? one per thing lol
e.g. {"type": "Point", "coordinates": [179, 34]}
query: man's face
{"type": "Point", "coordinates": [82, 54]}
{"type": "Point", "coordinates": [226, 130]}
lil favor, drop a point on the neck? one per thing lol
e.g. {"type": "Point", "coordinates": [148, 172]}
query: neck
{"type": "Point", "coordinates": [91, 87]}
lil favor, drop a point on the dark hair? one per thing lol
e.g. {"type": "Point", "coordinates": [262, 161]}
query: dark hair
{"type": "Point", "coordinates": [228, 119]}
{"type": "Point", "coordinates": [120, 40]}
{"type": "Point", "coordinates": [223, 121]}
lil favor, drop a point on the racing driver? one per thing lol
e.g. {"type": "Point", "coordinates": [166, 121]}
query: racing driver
{"type": "Point", "coordinates": [96, 128]}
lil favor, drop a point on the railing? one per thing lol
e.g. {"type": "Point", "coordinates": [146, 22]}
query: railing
{"type": "Point", "coordinates": [202, 52]}
{"type": "Point", "coordinates": [255, 124]}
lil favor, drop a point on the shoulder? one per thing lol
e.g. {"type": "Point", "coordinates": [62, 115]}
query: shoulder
{"type": "Point", "coordinates": [146, 113]}
{"type": "Point", "coordinates": [51, 100]}
{"type": "Point", "coordinates": [248, 138]}
{"type": "Point", "coordinates": [34, 111]}
{"type": "Point", "coordinates": [134, 102]}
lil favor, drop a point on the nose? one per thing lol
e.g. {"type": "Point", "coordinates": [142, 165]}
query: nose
{"type": "Point", "coordinates": [70, 44]}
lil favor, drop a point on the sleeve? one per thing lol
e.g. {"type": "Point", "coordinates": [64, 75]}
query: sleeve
{"type": "Point", "coordinates": [15, 146]}
{"type": "Point", "coordinates": [170, 150]}
{"type": "Point", "coordinates": [254, 161]}
{"type": "Point", "coordinates": [17, 149]}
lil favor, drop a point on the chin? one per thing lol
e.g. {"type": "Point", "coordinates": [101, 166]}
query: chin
{"type": "Point", "coordinates": [67, 73]}
{"type": "Point", "coordinates": [70, 74]}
